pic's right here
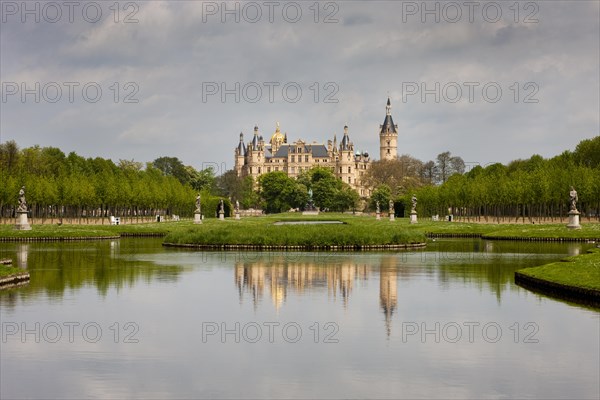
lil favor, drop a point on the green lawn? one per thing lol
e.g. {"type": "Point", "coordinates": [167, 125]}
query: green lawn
{"type": "Point", "coordinates": [260, 230]}
{"type": "Point", "coordinates": [8, 270]}
{"type": "Point", "coordinates": [356, 231]}
{"type": "Point", "coordinates": [581, 271]}
{"type": "Point", "coordinates": [588, 231]}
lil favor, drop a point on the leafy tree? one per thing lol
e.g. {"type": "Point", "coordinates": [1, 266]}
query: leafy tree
{"type": "Point", "coordinates": [280, 192]}
{"type": "Point", "coordinates": [587, 153]}
{"type": "Point", "coordinates": [383, 194]}
{"type": "Point", "coordinates": [172, 166]}
{"type": "Point", "coordinates": [400, 175]}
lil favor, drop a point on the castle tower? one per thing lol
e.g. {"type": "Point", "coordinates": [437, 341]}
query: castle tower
{"type": "Point", "coordinates": [388, 135]}
{"type": "Point", "coordinates": [346, 159]}
{"type": "Point", "coordinates": [255, 155]}
{"type": "Point", "coordinates": [240, 154]}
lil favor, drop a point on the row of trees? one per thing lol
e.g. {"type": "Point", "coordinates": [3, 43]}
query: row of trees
{"type": "Point", "coordinates": [60, 186]}
{"type": "Point", "coordinates": [532, 189]}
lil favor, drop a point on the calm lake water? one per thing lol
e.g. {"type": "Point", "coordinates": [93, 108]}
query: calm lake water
{"type": "Point", "coordinates": [131, 319]}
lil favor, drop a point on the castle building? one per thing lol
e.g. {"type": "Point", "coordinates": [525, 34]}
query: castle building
{"type": "Point", "coordinates": [258, 157]}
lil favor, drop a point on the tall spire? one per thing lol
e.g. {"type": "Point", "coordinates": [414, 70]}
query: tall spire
{"type": "Point", "coordinates": [255, 138]}
{"type": "Point", "coordinates": [388, 125]}
{"type": "Point", "coordinates": [241, 147]}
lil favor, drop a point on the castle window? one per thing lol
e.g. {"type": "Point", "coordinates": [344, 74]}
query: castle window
{"type": "Point", "coordinates": [349, 169]}
{"type": "Point", "coordinates": [349, 180]}
{"type": "Point", "coordinates": [268, 169]}
{"type": "Point", "coordinates": [259, 170]}
{"type": "Point", "coordinates": [276, 168]}
{"type": "Point", "coordinates": [293, 170]}
{"type": "Point", "coordinates": [293, 158]}
{"type": "Point", "coordinates": [299, 150]}
{"type": "Point", "coordinates": [306, 158]}
{"type": "Point", "coordinates": [388, 142]}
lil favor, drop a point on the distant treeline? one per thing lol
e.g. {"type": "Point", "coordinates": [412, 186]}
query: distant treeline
{"type": "Point", "coordinates": [531, 189]}
{"type": "Point", "coordinates": [60, 186]}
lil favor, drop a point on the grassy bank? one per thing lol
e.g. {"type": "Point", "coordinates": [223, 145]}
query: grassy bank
{"type": "Point", "coordinates": [582, 271]}
{"type": "Point", "coordinates": [356, 231]}
{"type": "Point", "coordinates": [551, 231]}
{"type": "Point", "coordinates": [90, 231]}
{"type": "Point", "coordinates": [364, 230]}
{"type": "Point", "coordinates": [9, 270]}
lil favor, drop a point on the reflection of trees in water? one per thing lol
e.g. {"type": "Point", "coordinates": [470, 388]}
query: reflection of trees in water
{"type": "Point", "coordinates": [57, 267]}
{"type": "Point", "coordinates": [490, 264]}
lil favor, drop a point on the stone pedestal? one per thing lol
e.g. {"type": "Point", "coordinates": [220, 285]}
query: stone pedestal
{"type": "Point", "coordinates": [222, 216]}
{"type": "Point", "coordinates": [574, 220]}
{"type": "Point", "coordinates": [310, 212]}
{"type": "Point", "coordinates": [197, 218]}
{"type": "Point", "coordinates": [378, 216]}
{"type": "Point", "coordinates": [413, 217]}
{"type": "Point", "coordinates": [22, 222]}
{"type": "Point", "coordinates": [237, 215]}
{"type": "Point", "coordinates": [392, 218]}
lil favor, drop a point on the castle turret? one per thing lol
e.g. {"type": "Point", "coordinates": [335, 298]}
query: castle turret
{"type": "Point", "coordinates": [346, 159]}
{"type": "Point", "coordinates": [240, 154]}
{"type": "Point", "coordinates": [388, 135]}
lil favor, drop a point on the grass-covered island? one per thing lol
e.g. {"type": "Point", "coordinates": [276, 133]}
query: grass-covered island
{"type": "Point", "coordinates": [299, 232]}
{"type": "Point", "coordinates": [11, 275]}
{"type": "Point", "coordinates": [576, 277]}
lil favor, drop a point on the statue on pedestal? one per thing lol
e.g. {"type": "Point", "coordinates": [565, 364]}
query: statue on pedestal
{"type": "Point", "coordinates": [391, 207]}
{"type": "Point", "coordinates": [237, 207]}
{"type": "Point", "coordinates": [378, 209]}
{"type": "Point", "coordinates": [22, 207]}
{"type": "Point", "coordinates": [22, 222]}
{"type": "Point", "coordinates": [198, 205]}
{"type": "Point", "coordinates": [221, 207]}
{"type": "Point", "coordinates": [573, 199]}
{"type": "Point", "coordinates": [573, 213]}
{"type": "Point", "coordinates": [414, 204]}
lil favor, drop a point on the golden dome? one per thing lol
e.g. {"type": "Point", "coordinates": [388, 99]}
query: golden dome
{"type": "Point", "coordinates": [277, 137]}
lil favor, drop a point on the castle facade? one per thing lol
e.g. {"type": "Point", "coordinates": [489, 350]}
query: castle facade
{"type": "Point", "coordinates": [258, 157]}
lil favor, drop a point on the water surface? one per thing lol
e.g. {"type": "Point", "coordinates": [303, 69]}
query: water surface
{"type": "Point", "coordinates": [129, 318]}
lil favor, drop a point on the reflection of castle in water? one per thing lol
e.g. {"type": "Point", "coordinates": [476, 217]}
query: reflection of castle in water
{"type": "Point", "coordinates": [388, 294]}
{"type": "Point", "coordinates": [281, 276]}
{"type": "Point", "coordinates": [277, 278]}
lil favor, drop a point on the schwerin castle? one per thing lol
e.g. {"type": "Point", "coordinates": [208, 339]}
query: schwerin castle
{"type": "Point", "coordinates": [257, 157]}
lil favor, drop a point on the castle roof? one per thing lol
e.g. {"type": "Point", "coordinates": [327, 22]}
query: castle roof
{"type": "Point", "coordinates": [317, 150]}
{"type": "Point", "coordinates": [388, 125]}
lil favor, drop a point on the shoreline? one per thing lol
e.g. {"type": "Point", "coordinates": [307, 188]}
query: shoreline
{"type": "Point", "coordinates": [574, 278]}
{"type": "Point", "coordinates": [298, 247]}
{"type": "Point", "coordinates": [576, 294]}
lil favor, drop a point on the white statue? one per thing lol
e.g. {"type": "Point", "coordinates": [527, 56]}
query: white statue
{"type": "Point", "coordinates": [573, 199]}
{"type": "Point", "coordinates": [198, 204]}
{"type": "Point", "coordinates": [22, 207]}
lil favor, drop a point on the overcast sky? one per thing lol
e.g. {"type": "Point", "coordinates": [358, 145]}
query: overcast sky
{"type": "Point", "coordinates": [170, 72]}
